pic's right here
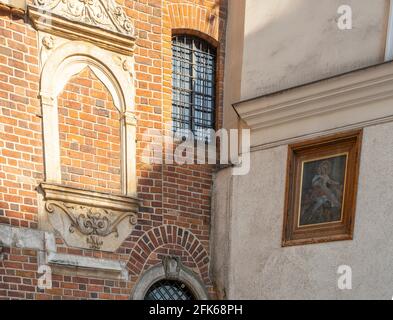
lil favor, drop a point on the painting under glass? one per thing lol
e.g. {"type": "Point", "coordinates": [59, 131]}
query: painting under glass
{"type": "Point", "coordinates": [322, 190]}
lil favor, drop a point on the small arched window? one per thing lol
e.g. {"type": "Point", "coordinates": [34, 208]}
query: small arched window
{"type": "Point", "coordinates": [167, 290]}
{"type": "Point", "coordinates": [194, 71]}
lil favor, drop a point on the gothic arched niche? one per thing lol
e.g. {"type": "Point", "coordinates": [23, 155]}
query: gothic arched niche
{"type": "Point", "coordinates": [99, 52]}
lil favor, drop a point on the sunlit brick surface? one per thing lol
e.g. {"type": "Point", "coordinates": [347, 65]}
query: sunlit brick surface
{"type": "Point", "coordinates": [174, 217]}
{"type": "Point", "coordinates": [89, 126]}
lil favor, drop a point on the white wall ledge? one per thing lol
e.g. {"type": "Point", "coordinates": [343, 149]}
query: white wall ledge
{"type": "Point", "coordinates": [348, 100]}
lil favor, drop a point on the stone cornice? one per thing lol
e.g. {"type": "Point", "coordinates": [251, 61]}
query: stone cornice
{"type": "Point", "coordinates": [101, 22]}
{"type": "Point", "coordinates": [341, 101]}
{"type": "Point", "coordinates": [91, 198]}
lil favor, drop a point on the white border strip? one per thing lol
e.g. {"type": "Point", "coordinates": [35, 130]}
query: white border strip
{"type": "Point", "coordinates": [19, 4]}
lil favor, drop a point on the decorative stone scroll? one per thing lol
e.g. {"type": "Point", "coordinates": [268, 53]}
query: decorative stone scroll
{"type": "Point", "coordinates": [90, 220]}
{"type": "Point", "coordinates": [101, 22]}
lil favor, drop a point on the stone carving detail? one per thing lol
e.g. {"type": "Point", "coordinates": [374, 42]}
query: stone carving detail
{"type": "Point", "coordinates": [95, 223]}
{"type": "Point", "coordinates": [105, 14]}
{"type": "Point", "coordinates": [87, 219]}
{"type": "Point", "coordinates": [48, 42]}
{"type": "Point", "coordinates": [126, 63]}
{"type": "Point", "coordinates": [172, 267]}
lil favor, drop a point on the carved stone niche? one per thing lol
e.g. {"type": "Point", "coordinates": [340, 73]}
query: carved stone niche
{"type": "Point", "coordinates": [74, 35]}
{"type": "Point", "coordinates": [90, 220]}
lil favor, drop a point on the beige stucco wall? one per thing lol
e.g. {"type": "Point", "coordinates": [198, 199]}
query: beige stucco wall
{"type": "Point", "coordinates": [292, 42]}
{"type": "Point", "coordinates": [252, 212]}
{"type": "Point", "coordinates": [233, 60]}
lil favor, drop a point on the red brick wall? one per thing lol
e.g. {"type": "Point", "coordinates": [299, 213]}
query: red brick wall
{"type": "Point", "coordinates": [21, 158]}
{"type": "Point", "coordinates": [89, 125]}
{"type": "Point", "coordinates": [174, 216]}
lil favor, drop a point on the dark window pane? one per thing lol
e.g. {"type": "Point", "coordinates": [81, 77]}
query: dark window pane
{"type": "Point", "coordinates": [169, 290]}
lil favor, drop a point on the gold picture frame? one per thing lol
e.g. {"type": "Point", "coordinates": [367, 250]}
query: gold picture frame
{"type": "Point", "coordinates": [321, 189]}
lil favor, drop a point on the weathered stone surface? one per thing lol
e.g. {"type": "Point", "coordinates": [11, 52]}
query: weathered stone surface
{"type": "Point", "coordinates": [21, 237]}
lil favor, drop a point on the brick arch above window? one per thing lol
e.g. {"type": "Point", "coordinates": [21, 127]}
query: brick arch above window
{"type": "Point", "coordinates": [197, 34]}
{"type": "Point", "coordinates": [198, 21]}
{"type": "Point", "coordinates": [169, 235]}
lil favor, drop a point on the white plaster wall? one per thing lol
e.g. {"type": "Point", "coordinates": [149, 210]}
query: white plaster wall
{"type": "Point", "coordinates": [292, 42]}
{"type": "Point", "coordinates": [259, 268]}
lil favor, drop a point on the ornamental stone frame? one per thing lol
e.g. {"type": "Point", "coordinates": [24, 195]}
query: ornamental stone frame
{"type": "Point", "coordinates": [15, 7]}
{"type": "Point", "coordinates": [103, 41]}
{"type": "Point", "coordinates": [64, 62]}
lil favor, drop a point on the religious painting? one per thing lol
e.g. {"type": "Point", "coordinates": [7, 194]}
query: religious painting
{"type": "Point", "coordinates": [321, 189]}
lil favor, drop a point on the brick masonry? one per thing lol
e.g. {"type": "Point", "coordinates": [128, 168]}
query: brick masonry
{"type": "Point", "coordinates": [89, 126]}
{"type": "Point", "coordinates": [174, 217]}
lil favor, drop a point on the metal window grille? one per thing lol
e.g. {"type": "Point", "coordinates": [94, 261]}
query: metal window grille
{"type": "Point", "coordinates": [169, 290]}
{"type": "Point", "coordinates": [194, 68]}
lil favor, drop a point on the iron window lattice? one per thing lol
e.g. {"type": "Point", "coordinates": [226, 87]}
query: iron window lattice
{"type": "Point", "coordinates": [169, 290]}
{"type": "Point", "coordinates": [193, 106]}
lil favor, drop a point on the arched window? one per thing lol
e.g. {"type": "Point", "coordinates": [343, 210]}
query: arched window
{"type": "Point", "coordinates": [169, 290]}
{"type": "Point", "coordinates": [193, 103]}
